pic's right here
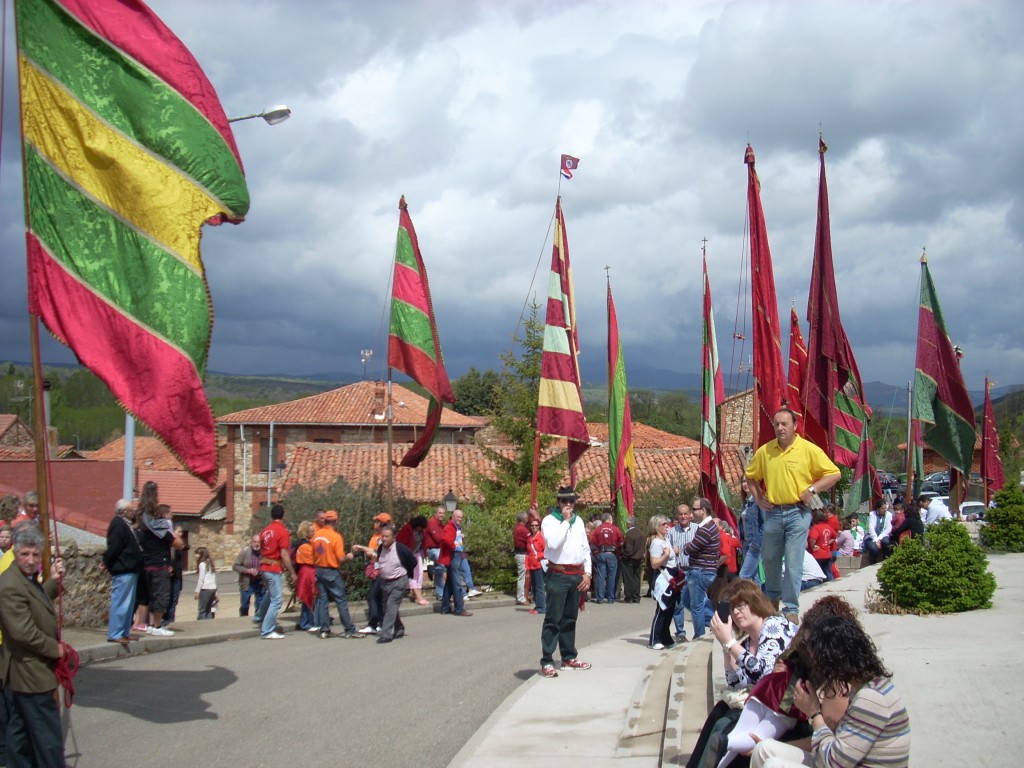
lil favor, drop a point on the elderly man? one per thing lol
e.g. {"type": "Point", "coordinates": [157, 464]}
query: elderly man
{"type": "Point", "coordinates": [451, 558]}
{"type": "Point", "coordinates": [520, 538]}
{"type": "Point", "coordinates": [247, 566]}
{"type": "Point", "coordinates": [794, 471]}
{"type": "Point", "coordinates": [679, 535]}
{"type": "Point", "coordinates": [395, 563]}
{"type": "Point", "coordinates": [30, 654]}
{"type": "Point", "coordinates": [123, 561]}
{"type": "Point", "coordinates": [568, 552]}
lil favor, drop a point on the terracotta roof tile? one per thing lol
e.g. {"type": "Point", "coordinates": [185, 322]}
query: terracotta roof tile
{"type": "Point", "coordinates": [318, 465]}
{"type": "Point", "coordinates": [149, 451]}
{"type": "Point", "coordinates": [645, 437]}
{"type": "Point", "coordinates": [185, 494]}
{"type": "Point", "coordinates": [356, 404]}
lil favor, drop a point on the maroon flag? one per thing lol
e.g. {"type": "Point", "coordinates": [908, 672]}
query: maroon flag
{"type": "Point", "coordinates": [569, 164]}
{"type": "Point", "coordinates": [833, 393]}
{"type": "Point", "coordinates": [991, 462]}
{"type": "Point", "coordinates": [797, 366]}
{"type": "Point", "coordinates": [769, 379]}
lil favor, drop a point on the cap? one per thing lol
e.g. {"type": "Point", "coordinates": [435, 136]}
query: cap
{"type": "Point", "coordinates": [330, 516]}
{"type": "Point", "coordinates": [383, 517]}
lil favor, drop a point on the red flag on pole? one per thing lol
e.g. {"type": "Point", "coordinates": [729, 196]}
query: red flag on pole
{"type": "Point", "coordinates": [797, 367]}
{"type": "Point", "coordinates": [769, 379]}
{"type": "Point", "coordinates": [991, 461]}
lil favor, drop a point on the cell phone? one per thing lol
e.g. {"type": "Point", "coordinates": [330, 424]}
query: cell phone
{"type": "Point", "coordinates": [724, 609]}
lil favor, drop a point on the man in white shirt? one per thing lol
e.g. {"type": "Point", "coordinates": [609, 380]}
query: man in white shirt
{"type": "Point", "coordinates": [938, 509]}
{"type": "Point", "coordinates": [679, 535]}
{"type": "Point", "coordinates": [878, 533]}
{"type": "Point", "coordinates": [568, 553]}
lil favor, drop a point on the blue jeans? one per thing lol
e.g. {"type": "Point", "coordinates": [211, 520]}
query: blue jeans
{"type": "Point", "coordinates": [465, 575]}
{"type": "Point", "coordinates": [607, 569]}
{"type": "Point", "coordinates": [537, 587]}
{"type": "Point", "coordinates": [697, 583]}
{"type": "Point", "coordinates": [452, 588]}
{"type": "Point", "coordinates": [271, 604]}
{"type": "Point", "coordinates": [437, 570]}
{"type": "Point", "coordinates": [785, 535]}
{"type": "Point", "coordinates": [330, 586]}
{"type": "Point", "coordinates": [122, 605]}
{"type": "Point", "coordinates": [255, 591]}
{"type": "Point", "coordinates": [751, 559]}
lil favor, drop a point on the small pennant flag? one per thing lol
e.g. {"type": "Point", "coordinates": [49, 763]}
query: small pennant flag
{"type": "Point", "coordinates": [569, 164]}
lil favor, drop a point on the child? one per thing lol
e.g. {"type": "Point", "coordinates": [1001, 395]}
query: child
{"type": "Point", "coordinates": [206, 585]}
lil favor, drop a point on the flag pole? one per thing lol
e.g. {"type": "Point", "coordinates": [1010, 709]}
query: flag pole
{"type": "Point", "coordinates": [391, 465]}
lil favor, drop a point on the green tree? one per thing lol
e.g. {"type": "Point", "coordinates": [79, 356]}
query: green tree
{"type": "Point", "coordinates": [674, 412]}
{"type": "Point", "coordinates": [1004, 523]}
{"type": "Point", "coordinates": [475, 392]}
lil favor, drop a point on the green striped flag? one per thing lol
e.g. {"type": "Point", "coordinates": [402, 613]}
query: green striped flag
{"type": "Point", "coordinates": [621, 461]}
{"type": "Point", "coordinates": [413, 346]}
{"type": "Point", "coordinates": [127, 153]}
{"type": "Point", "coordinates": [941, 402]}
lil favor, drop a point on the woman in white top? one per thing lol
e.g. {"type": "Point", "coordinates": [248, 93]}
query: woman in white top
{"type": "Point", "coordinates": [206, 585]}
{"type": "Point", "coordinates": [667, 587]}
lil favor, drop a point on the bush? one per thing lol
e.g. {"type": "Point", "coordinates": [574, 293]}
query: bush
{"type": "Point", "coordinates": [1004, 524]}
{"type": "Point", "coordinates": [945, 572]}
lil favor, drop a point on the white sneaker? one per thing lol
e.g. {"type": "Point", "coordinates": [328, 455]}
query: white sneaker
{"type": "Point", "coordinates": [313, 630]}
{"type": "Point", "coordinates": [657, 647]}
{"type": "Point", "coordinates": [159, 632]}
{"type": "Point", "coordinates": [368, 631]}
{"type": "Point", "coordinates": [272, 636]}
{"type": "Point", "coordinates": [474, 593]}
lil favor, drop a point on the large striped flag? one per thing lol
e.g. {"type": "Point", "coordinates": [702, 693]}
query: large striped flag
{"type": "Point", "coordinates": [833, 393]}
{"type": "Point", "coordinates": [991, 462]}
{"type": "Point", "coordinates": [797, 368]}
{"type": "Point", "coordinates": [712, 474]}
{"type": "Point", "coordinates": [864, 485]}
{"type": "Point", "coordinates": [560, 402]}
{"type": "Point", "coordinates": [769, 379]}
{"type": "Point", "coordinates": [621, 462]}
{"type": "Point", "coordinates": [127, 152]}
{"type": "Point", "coordinates": [413, 346]}
{"type": "Point", "coordinates": [941, 402]}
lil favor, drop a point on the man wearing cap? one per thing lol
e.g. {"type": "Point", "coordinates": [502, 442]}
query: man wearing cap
{"type": "Point", "coordinates": [123, 561]}
{"type": "Point", "coordinates": [568, 552]}
{"type": "Point", "coordinates": [328, 555]}
{"type": "Point", "coordinates": [794, 471]}
{"type": "Point", "coordinates": [451, 558]}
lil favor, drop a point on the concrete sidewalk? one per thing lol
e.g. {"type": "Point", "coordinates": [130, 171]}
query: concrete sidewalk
{"type": "Point", "coordinates": [960, 676]}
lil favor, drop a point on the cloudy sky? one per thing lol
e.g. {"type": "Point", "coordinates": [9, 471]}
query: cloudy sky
{"type": "Point", "coordinates": [465, 107]}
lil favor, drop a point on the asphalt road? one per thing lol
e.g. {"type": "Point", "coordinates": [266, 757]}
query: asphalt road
{"type": "Point", "coordinates": [413, 702]}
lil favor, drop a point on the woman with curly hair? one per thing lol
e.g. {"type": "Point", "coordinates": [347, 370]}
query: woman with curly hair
{"type": "Point", "coordinates": [770, 711]}
{"type": "Point", "coordinates": [848, 696]}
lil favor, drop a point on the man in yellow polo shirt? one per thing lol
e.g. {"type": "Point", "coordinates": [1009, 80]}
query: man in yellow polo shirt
{"type": "Point", "coordinates": [794, 471]}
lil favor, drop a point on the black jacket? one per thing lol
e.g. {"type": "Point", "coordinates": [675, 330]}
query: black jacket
{"type": "Point", "coordinates": [123, 555]}
{"type": "Point", "coordinates": [405, 557]}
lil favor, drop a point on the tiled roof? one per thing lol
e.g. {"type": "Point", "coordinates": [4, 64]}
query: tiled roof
{"type": "Point", "coordinates": [149, 451]}
{"type": "Point", "coordinates": [318, 465]}
{"type": "Point", "coordinates": [645, 437]}
{"type": "Point", "coordinates": [17, 452]}
{"type": "Point", "coordinates": [84, 491]}
{"type": "Point", "coordinates": [357, 404]}
{"type": "Point", "coordinates": [7, 420]}
{"type": "Point", "coordinates": [185, 494]}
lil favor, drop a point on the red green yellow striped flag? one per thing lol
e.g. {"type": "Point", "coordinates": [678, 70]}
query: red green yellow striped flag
{"type": "Point", "coordinates": [560, 401]}
{"type": "Point", "coordinates": [413, 346]}
{"type": "Point", "coordinates": [127, 152]}
{"type": "Point", "coordinates": [621, 461]}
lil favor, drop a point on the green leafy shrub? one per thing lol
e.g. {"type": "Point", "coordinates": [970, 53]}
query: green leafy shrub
{"type": "Point", "coordinates": [945, 572]}
{"type": "Point", "coordinates": [1004, 524]}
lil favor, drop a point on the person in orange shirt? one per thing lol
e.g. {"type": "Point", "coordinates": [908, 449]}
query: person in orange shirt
{"type": "Point", "coordinates": [305, 584]}
{"type": "Point", "coordinates": [328, 555]}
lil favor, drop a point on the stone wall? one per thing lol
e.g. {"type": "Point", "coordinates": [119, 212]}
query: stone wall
{"type": "Point", "coordinates": [86, 598]}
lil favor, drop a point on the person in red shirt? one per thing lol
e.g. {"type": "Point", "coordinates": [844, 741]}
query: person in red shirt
{"type": "Point", "coordinates": [432, 543]}
{"type": "Point", "coordinates": [520, 537]}
{"type": "Point", "coordinates": [274, 561]}
{"type": "Point", "coordinates": [535, 563]}
{"type": "Point", "coordinates": [819, 541]}
{"type": "Point", "coordinates": [606, 542]}
{"type": "Point", "coordinates": [729, 545]}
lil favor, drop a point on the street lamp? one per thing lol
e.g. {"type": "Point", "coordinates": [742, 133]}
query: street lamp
{"type": "Point", "coordinates": [451, 501]}
{"type": "Point", "coordinates": [365, 355]}
{"type": "Point", "coordinates": [273, 116]}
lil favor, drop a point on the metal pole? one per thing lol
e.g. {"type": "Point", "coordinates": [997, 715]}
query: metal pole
{"type": "Point", "coordinates": [128, 478]}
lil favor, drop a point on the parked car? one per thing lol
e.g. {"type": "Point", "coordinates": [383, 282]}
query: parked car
{"type": "Point", "coordinates": [972, 510]}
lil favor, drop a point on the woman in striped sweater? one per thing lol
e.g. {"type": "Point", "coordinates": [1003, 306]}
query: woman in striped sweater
{"type": "Point", "coordinates": [848, 696]}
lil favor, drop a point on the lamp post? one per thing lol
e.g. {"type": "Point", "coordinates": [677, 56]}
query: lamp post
{"type": "Point", "coordinates": [273, 116]}
{"type": "Point", "coordinates": [365, 355]}
{"type": "Point", "coordinates": [451, 501]}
